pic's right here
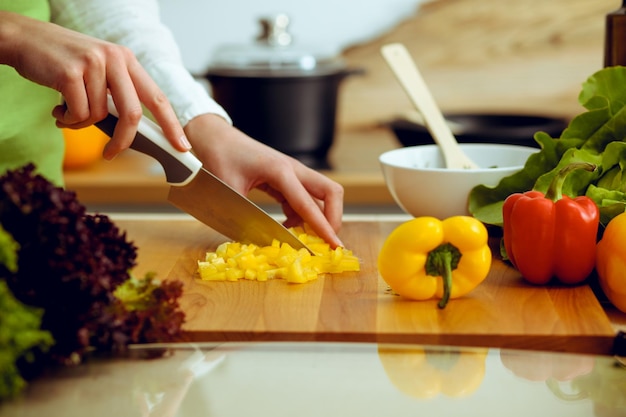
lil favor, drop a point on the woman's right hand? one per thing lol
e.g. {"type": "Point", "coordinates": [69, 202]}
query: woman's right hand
{"type": "Point", "coordinates": [84, 70]}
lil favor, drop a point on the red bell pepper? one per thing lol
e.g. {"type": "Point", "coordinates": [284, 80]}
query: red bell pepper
{"type": "Point", "coordinates": [552, 235]}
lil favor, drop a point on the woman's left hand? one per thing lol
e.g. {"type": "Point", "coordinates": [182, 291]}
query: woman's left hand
{"type": "Point", "coordinates": [244, 163]}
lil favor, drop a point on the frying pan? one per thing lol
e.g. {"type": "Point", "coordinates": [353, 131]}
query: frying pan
{"type": "Point", "coordinates": [517, 129]}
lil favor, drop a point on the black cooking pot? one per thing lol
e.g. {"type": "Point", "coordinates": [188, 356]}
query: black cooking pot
{"type": "Point", "coordinates": [279, 95]}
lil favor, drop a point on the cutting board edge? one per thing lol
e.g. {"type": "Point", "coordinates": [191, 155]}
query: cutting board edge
{"type": "Point", "coordinates": [601, 344]}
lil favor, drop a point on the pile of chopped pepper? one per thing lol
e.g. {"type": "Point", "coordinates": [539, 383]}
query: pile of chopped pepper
{"type": "Point", "coordinates": [233, 261]}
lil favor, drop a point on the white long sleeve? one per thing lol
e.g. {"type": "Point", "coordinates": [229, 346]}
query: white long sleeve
{"type": "Point", "coordinates": [136, 24]}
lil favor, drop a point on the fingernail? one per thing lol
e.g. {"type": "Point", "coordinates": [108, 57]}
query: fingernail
{"type": "Point", "coordinates": [107, 154]}
{"type": "Point", "coordinates": [185, 142]}
{"type": "Point", "coordinates": [109, 157]}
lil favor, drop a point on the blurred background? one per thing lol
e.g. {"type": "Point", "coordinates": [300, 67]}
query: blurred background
{"type": "Point", "coordinates": [202, 25]}
{"type": "Point", "coordinates": [522, 58]}
{"type": "Point", "coordinates": [528, 55]}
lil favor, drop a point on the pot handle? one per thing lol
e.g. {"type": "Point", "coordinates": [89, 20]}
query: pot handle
{"type": "Point", "coordinates": [352, 71]}
{"type": "Point", "coordinates": [347, 72]}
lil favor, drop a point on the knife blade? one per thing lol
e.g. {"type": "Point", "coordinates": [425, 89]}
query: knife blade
{"type": "Point", "coordinates": [200, 193]}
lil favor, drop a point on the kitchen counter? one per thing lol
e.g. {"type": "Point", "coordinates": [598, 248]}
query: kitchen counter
{"type": "Point", "coordinates": [278, 349]}
{"type": "Point", "coordinates": [133, 181]}
{"type": "Point", "coordinates": [253, 358]}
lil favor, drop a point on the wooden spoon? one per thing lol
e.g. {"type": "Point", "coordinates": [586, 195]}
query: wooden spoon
{"type": "Point", "coordinates": [405, 70]}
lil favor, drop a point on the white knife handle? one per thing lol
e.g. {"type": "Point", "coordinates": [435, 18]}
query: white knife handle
{"type": "Point", "coordinates": [180, 167]}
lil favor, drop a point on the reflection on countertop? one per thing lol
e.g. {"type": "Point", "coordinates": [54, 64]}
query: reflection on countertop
{"type": "Point", "coordinates": [330, 379]}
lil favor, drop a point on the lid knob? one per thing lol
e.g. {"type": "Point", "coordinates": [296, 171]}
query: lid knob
{"type": "Point", "coordinates": [274, 30]}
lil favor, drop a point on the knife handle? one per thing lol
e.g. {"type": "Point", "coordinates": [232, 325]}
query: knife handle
{"type": "Point", "coordinates": [180, 167]}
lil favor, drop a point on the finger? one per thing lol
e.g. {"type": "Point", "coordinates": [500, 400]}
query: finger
{"type": "Point", "coordinates": [326, 192]}
{"type": "Point", "coordinates": [156, 101]}
{"type": "Point", "coordinates": [299, 199]}
{"type": "Point", "coordinates": [292, 217]}
{"type": "Point", "coordinates": [97, 91]}
{"type": "Point", "coordinates": [92, 99]}
{"type": "Point", "coordinates": [75, 107]}
{"type": "Point", "coordinates": [315, 218]}
{"type": "Point", "coordinates": [128, 107]}
{"type": "Point", "coordinates": [333, 204]}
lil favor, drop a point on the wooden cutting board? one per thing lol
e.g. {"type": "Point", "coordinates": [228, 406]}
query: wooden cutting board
{"type": "Point", "coordinates": [502, 312]}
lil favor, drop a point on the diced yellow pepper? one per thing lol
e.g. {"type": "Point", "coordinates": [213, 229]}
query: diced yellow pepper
{"type": "Point", "coordinates": [233, 261]}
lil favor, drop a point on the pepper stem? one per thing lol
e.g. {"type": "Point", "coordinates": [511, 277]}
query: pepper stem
{"type": "Point", "coordinates": [441, 262]}
{"type": "Point", "coordinates": [447, 280]}
{"type": "Point", "coordinates": [555, 190]}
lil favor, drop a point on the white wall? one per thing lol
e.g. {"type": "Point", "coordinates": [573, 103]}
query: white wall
{"type": "Point", "coordinates": [330, 25]}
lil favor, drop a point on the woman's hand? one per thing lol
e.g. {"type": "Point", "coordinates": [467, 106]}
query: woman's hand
{"type": "Point", "coordinates": [244, 163]}
{"type": "Point", "coordinates": [84, 70]}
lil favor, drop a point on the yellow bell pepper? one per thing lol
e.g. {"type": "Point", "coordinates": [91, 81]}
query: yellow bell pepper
{"type": "Point", "coordinates": [611, 262]}
{"type": "Point", "coordinates": [425, 373]}
{"type": "Point", "coordinates": [427, 258]}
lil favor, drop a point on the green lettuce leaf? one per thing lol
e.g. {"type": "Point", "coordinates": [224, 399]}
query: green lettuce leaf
{"type": "Point", "coordinates": [595, 136]}
{"type": "Point", "coordinates": [20, 332]}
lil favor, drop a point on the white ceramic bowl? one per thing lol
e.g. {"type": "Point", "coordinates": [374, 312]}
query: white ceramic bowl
{"type": "Point", "coordinates": [422, 186]}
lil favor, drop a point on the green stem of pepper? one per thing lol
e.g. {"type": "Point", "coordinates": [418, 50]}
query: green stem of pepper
{"type": "Point", "coordinates": [441, 262]}
{"type": "Point", "coordinates": [447, 280]}
{"type": "Point", "coordinates": [555, 190]}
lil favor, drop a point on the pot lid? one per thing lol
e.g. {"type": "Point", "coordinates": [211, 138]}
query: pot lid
{"type": "Point", "coordinates": [273, 53]}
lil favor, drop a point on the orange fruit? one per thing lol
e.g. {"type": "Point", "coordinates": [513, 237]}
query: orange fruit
{"type": "Point", "coordinates": [83, 147]}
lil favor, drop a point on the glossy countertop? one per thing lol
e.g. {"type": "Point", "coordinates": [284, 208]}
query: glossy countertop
{"type": "Point", "coordinates": [330, 379]}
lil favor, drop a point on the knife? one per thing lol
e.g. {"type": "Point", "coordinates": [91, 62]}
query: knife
{"type": "Point", "coordinates": [200, 193]}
